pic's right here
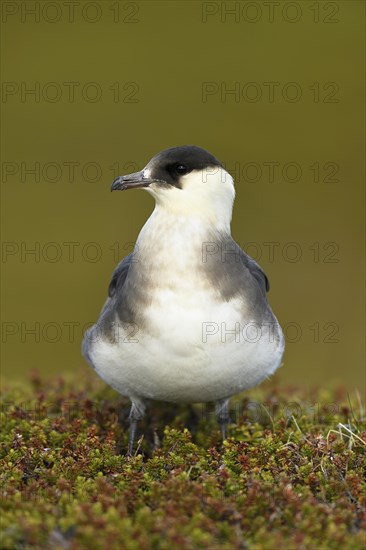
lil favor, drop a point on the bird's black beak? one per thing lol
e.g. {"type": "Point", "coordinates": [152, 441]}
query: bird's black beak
{"type": "Point", "coordinates": [131, 181]}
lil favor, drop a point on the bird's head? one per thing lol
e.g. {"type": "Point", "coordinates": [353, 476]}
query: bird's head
{"type": "Point", "coordinates": [187, 181]}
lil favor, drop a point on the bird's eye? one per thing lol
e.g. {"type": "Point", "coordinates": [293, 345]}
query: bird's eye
{"type": "Point", "coordinates": [181, 169]}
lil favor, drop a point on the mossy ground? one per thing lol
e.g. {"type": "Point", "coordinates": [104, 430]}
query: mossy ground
{"type": "Point", "coordinates": [290, 476]}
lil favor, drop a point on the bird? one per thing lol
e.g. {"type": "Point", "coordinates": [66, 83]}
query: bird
{"type": "Point", "coordinates": [187, 318]}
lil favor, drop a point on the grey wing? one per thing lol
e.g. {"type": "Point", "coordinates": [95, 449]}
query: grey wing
{"type": "Point", "coordinates": [104, 324]}
{"type": "Point", "coordinates": [257, 272]}
{"type": "Point", "coordinates": [119, 275]}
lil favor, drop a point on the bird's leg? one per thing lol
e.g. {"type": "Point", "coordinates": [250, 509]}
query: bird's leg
{"type": "Point", "coordinates": [222, 414]}
{"type": "Point", "coordinates": [136, 413]}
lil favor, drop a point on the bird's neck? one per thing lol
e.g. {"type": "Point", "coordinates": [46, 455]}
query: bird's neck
{"type": "Point", "coordinates": [166, 233]}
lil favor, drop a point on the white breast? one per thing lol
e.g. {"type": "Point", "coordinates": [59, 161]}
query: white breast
{"type": "Point", "coordinates": [192, 347]}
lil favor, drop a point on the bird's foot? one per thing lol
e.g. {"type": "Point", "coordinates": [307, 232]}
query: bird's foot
{"type": "Point", "coordinates": [137, 411]}
{"type": "Point", "coordinates": [222, 414]}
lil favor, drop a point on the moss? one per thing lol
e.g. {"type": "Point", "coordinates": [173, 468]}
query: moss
{"type": "Point", "coordinates": [289, 476]}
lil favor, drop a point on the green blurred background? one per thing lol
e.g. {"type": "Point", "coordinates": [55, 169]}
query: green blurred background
{"type": "Point", "coordinates": [150, 75]}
